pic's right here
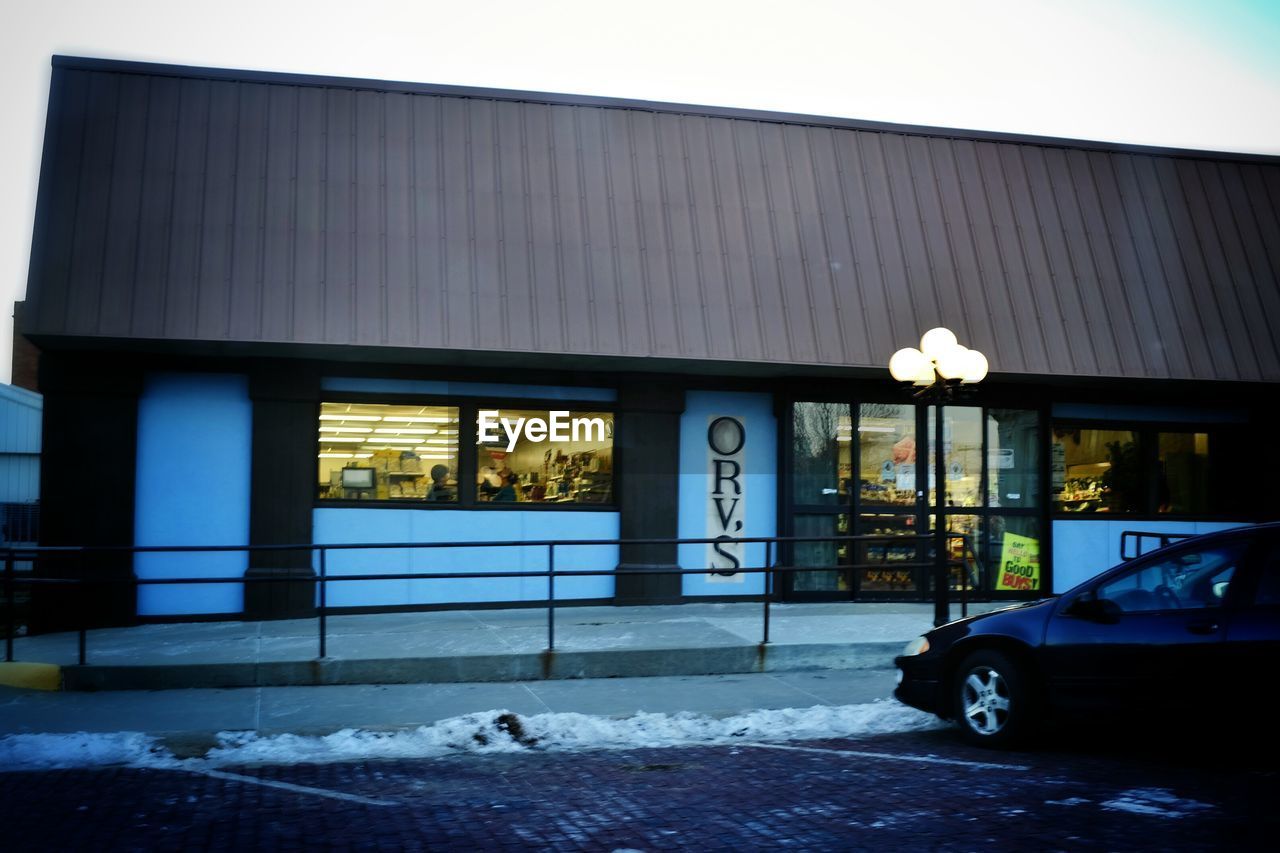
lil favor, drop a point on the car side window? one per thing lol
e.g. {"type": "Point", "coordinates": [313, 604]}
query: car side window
{"type": "Point", "coordinates": [1269, 579]}
{"type": "Point", "coordinates": [1188, 580]}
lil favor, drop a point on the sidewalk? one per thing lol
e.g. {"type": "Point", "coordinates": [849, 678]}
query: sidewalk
{"type": "Point", "coordinates": [487, 646]}
{"type": "Point", "coordinates": [189, 719]}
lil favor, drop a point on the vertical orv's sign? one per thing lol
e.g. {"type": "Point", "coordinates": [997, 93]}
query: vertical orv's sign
{"type": "Point", "coordinates": [726, 497]}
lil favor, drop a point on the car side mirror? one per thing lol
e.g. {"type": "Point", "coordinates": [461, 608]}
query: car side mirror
{"type": "Point", "coordinates": [1094, 609]}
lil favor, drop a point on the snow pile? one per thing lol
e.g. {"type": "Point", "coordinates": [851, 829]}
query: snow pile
{"type": "Point", "coordinates": [504, 731]}
{"type": "Point", "coordinates": [486, 732]}
{"type": "Point", "coordinates": [55, 751]}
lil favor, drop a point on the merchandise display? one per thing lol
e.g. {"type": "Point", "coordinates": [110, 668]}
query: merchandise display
{"type": "Point", "coordinates": [576, 470]}
{"type": "Point", "coordinates": [373, 452]}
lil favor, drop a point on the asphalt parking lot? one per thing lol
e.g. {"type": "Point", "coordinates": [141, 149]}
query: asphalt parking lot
{"type": "Point", "coordinates": [923, 790]}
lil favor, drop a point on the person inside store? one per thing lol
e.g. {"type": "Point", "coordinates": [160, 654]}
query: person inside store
{"type": "Point", "coordinates": [488, 483]}
{"type": "Point", "coordinates": [440, 488]}
{"type": "Point", "coordinates": [507, 493]}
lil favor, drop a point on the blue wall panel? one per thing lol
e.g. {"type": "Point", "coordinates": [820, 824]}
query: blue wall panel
{"type": "Point", "coordinates": [195, 436]}
{"type": "Point", "coordinates": [1082, 549]}
{"type": "Point", "coordinates": [760, 483]}
{"type": "Point", "coordinates": [346, 525]}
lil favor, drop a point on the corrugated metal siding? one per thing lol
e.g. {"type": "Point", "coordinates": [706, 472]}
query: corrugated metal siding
{"type": "Point", "coordinates": [214, 209]}
{"type": "Point", "coordinates": [21, 412]}
{"type": "Point", "coordinates": [19, 477]}
{"type": "Point", "coordinates": [20, 416]}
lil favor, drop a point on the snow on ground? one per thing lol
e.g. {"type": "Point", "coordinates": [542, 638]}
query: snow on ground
{"type": "Point", "coordinates": [1159, 802]}
{"type": "Point", "coordinates": [485, 732]}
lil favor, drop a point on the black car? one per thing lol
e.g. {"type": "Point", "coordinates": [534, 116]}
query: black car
{"type": "Point", "coordinates": [1193, 628]}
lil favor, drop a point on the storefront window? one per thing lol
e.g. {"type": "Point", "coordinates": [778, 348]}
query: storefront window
{"type": "Point", "coordinates": [822, 438]}
{"type": "Point", "coordinates": [887, 454]}
{"type": "Point", "coordinates": [544, 456]}
{"type": "Point", "coordinates": [388, 453]}
{"type": "Point", "coordinates": [1184, 472]}
{"type": "Point", "coordinates": [883, 559]}
{"type": "Point", "coordinates": [1013, 454]}
{"type": "Point", "coordinates": [962, 449]}
{"type": "Point", "coordinates": [1013, 554]}
{"type": "Point", "coordinates": [827, 556]}
{"type": "Point", "coordinates": [1096, 470]}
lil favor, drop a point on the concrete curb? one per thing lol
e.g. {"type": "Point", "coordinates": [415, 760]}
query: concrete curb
{"type": "Point", "coordinates": [614, 663]}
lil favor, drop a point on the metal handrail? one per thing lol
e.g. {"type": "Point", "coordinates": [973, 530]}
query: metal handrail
{"type": "Point", "coordinates": [1137, 536]}
{"type": "Point", "coordinates": [323, 578]}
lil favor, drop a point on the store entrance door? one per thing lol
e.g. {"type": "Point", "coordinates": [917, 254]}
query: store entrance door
{"type": "Point", "coordinates": [859, 469]}
{"type": "Point", "coordinates": [854, 474]}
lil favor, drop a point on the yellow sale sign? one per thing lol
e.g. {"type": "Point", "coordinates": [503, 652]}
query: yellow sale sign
{"type": "Point", "coordinates": [1019, 563]}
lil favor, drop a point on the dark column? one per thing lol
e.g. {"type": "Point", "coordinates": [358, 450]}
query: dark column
{"type": "Point", "coordinates": [285, 400]}
{"type": "Point", "coordinates": [647, 444]}
{"type": "Point", "coordinates": [90, 437]}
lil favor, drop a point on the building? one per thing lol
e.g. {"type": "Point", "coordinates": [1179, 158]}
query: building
{"type": "Point", "coordinates": [20, 412]}
{"type": "Point", "coordinates": [285, 309]}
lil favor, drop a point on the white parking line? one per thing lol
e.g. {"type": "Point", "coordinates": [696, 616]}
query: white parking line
{"type": "Point", "coordinates": [297, 789]}
{"type": "Point", "coordinates": [888, 756]}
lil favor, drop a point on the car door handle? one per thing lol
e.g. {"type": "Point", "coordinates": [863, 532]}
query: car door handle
{"type": "Point", "coordinates": [1202, 627]}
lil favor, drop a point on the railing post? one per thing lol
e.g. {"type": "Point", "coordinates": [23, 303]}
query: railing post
{"type": "Point", "coordinates": [8, 607]}
{"type": "Point", "coordinates": [323, 604]}
{"type": "Point", "coordinates": [768, 586]}
{"type": "Point", "coordinates": [551, 597]}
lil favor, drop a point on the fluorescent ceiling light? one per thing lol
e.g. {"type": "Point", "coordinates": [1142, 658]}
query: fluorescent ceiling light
{"type": "Point", "coordinates": [421, 450]}
{"type": "Point", "coordinates": [418, 419]}
{"type": "Point", "coordinates": [437, 456]}
{"type": "Point", "coordinates": [351, 417]}
{"type": "Point", "coordinates": [442, 441]}
{"type": "Point", "coordinates": [344, 429]}
{"type": "Point", "coordinates": [844, 438]}
{"type": "Point", "coordinates": [336, 455]}
{"type": "Point", "coordinates": [876, 429]}
{"type": "Point", "coordinates": [336, 438]}
{"type": "Point", "coordinates": [408, 430]}
{"type": "Point", "coordinates": [393, 440]}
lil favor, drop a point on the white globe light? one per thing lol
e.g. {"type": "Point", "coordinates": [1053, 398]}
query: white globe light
{"type": "Point", "coordinates": [935, 342]}
{"type": "Point", "coordinates": [953, 363]}
{"type": "Point", "coordinates": [977, 367]}
{"type": "Point", "coordinates": [908, 365]}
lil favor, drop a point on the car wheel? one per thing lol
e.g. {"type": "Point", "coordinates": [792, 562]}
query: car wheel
{"type": "Point", "coordinates": [992, 702]}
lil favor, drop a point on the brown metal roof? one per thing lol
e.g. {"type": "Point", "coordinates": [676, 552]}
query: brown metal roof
{"type": "Point", "coordinates": [202, 205]}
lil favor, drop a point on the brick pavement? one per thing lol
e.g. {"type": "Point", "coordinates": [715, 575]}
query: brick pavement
{"type": "Point", "coordinates": [818, 797]}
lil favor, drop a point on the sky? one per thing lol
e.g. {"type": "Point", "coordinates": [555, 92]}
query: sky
{"type": "Point", "coordinates": [1180, 73]}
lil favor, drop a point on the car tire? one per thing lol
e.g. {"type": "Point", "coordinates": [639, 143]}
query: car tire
{"type": "Point", "coordinates": [991, 700]}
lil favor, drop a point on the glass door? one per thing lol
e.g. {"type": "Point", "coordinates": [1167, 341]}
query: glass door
{"type": "Point", "coordinates": [821, 437]}
{"type": "Point", "coordinates": [857, 468]}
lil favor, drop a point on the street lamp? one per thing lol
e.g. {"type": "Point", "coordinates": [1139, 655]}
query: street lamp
{"type": "Point", "coordinates": [938, 369]}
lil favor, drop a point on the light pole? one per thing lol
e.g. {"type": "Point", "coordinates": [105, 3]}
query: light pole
{"type": "Point", "coordinates": [938, 369]}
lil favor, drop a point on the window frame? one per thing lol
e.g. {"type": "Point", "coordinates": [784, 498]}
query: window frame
{"type": "Point", "coordinates": [1147, 436]}
{"type": "Point", "coordinates": [468, 408]}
